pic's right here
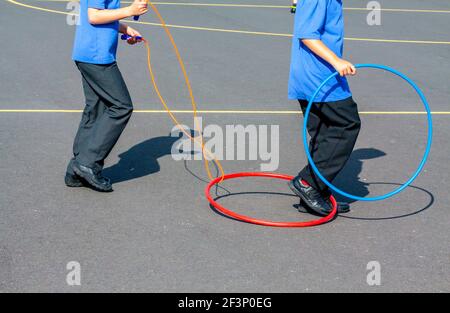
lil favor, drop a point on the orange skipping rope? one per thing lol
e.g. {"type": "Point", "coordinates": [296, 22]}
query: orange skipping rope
{"type": "Point", "coordinates": [207, 154]}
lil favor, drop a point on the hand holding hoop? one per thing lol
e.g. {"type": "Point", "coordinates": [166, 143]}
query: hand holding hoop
{"type": "Point", "coordinates": [424, 158]}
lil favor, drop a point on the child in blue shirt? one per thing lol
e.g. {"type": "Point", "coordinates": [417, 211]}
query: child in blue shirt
{"type": "Point", "coordinates": [108, 103]}
{"type": "Point", "coordinates": [334, 121]}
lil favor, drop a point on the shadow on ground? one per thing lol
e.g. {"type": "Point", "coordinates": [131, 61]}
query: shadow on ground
{"type": "Point", "coordinates": [140, 160]}
{"type": "Point", "coordinates": [349, 179]}
{"type": "Point", "coordinates": [391, 217]}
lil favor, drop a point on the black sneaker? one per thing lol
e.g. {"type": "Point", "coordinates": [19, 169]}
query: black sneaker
{"type": "Point", "coordinates": [342, 207]}
{"type": "Point", "coordinates": [311, 197]}
{"type": "Point", "coordinates": [92, 177]}
{"type": "Point", "coordinates": [72, 180]}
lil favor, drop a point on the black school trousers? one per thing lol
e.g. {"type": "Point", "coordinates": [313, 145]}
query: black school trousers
{"type": "Point", "coordinates": [333, 128]}
{"type": "Point", "coordinates": [107, 112]}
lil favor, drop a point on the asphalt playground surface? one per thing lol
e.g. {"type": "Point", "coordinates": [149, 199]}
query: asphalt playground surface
{"type": "Point", "coordinates": [156, 231]}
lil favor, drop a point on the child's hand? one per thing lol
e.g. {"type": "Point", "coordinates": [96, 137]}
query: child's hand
{"type": "Point", "coordinates": [133, 33]}
{"type": "Point", "coordinates": [138, 7]}
{"type": "Point", "coordinates": [344, 67]}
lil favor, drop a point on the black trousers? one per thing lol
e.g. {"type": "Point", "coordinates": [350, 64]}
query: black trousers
{"type": "Point", "coordinates": [107, 111]}
{"type": "Point", "coordinates": [334, 128]}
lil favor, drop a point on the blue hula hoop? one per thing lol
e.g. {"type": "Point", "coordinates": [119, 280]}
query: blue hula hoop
{"type": "Point", "coordinates": [425, 155]}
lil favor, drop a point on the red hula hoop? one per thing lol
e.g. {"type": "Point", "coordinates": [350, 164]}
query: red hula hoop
{"type": "Point", "coordinates": [251, 220]}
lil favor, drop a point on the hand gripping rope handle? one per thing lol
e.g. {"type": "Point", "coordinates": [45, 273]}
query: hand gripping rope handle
{"type": "Point", "coordinates": [126, 37]}
{"type": "Point", "coordinates": [136, 17]}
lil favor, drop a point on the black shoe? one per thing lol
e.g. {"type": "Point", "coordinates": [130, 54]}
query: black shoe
{"type": "Point", "coordinates": [92, 177]}
{"type": "Point", "coordinates": [311, 197]}
{"type": "Point", "coordinates": [293, 8]}
{"type": "Point", "coordinates": [72, 180]}
{"type": "Point", "coordinates": [342, 207]}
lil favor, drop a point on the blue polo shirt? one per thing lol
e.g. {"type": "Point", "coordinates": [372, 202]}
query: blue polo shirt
{"type": "Point", "coordinates": [317, 19]}
{"type": "Point", "coordinates": [96, 44]}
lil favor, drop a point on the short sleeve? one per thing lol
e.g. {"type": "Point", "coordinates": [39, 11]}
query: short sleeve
{"type": "Point", "coordinates": [97, 4]}
{"type": "Point", "coordinates": [310, 19]}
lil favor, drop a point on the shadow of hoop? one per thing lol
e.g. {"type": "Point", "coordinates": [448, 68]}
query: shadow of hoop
{"type": "Point", "coordinates": [417, 211]}
{"type": "Point", "coordinates": [249, 193]}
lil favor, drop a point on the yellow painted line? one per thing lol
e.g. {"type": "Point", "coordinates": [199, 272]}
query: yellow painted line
{"type": "Point", "coordinates": [39, 111]}
{"type": "Point", "coordinates": [38, 8]}
{"type": "Point", "coordinates": [268, 6]}
{"type": "Point", "coordinates": [195, 4]}
{"type": "Point", "coordinates": [403, 113]}
{"type": "Point", "coordinates": [288, 6]}
{"type": "Point", "coordinates": [400, 10]}
{"type": "Point", "coordinates": [426, 42]}
{"type": "Point", "coordinates": [246, 32]}
{"type": "Point", "coordinates": [216, 29]}
{"type": "Point", "coordinates": [277, 112]}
